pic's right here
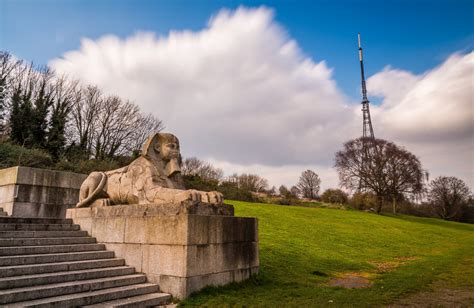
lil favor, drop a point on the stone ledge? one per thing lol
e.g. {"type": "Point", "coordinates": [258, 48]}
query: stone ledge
{"type": "Point", "coordinates": [41, 177]}
{"type": "Point", "coordinates": [34, 192]}
{"type": "Point", "coordinates": [168, 209]}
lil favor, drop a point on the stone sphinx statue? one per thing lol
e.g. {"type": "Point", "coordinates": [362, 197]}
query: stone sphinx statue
{"type": "Point", "coordinates": [153, 178]}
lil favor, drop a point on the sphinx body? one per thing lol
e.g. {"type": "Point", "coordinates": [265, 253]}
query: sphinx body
{"type": "Point", "coordinates": [154, 177]}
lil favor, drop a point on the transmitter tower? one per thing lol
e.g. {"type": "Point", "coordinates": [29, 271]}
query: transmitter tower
{"type": "Point", "coordinates": [367, 131]}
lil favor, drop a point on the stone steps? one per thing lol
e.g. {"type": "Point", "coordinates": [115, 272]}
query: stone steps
{"type": "Point", "coordinates": [29, 220]}
{"type": "Point", "coordinates": [45, 241]}
{"type": "Point", "coordinates": [49, 262]}
{"type": "Point", "coordinates": [153, 299]}
{"type": "Point", "coordinates": [33, 250]}
{"type": "Point", "coordinates": [59, 277]}
{"type": "Point", "coordinates": [56, 289]}
{"type": "Point", "coordinates": [55, 257]}
{"type": "Point", "coordinates": [95, 297]}
{"type": "Point", "coordinates": [31, 269]}
{"type": "Point", "coordinates": [36, 234]}
{"type": "Point", "coordinates": [38, 227]}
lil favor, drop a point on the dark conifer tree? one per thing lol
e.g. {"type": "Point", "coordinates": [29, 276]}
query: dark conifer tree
{"type": "Point", "coordinates": [39, 119]}
{"type": "Point", "coordinates": [3, 103]}
{"type": "Point", "coordinates": [56, 139]}
{"type": "Point", "coordinates": [19, 130]}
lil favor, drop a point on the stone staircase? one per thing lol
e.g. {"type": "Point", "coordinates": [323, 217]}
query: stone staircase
{"type": "Point", "coordinates": [47, 262]}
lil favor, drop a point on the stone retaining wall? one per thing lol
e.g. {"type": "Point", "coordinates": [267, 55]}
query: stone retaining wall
{"type": "Point", "coordinates": [33, 192]}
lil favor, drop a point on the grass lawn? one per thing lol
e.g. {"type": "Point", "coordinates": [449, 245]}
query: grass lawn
{"type": "Point", "coordinates": [400, 255]}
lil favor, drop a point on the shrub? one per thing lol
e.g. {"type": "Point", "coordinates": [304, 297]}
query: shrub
{"type": "Point", "coordinates": [15, 155]}
{"type": "Point", "coordinates": [363, 201]}
{"type": "Point", "coordinates": [334, 196]}
{"type": "Point", "coordinates": [230, 190]}
{"type": "Point", "coordinates": [87, 166]}
{"type": "Point", "coordinates": [196, 182]}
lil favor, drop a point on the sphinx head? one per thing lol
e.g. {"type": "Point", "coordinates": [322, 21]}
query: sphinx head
{"type": "Point", "coordinates": [163, 149]}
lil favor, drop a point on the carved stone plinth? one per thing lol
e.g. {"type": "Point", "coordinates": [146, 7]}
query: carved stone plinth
{"type": "Point", "coordinates": [183, 247]}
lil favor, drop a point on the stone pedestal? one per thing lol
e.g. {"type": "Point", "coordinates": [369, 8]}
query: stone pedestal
{"type": "Point", "coordinates": [33, 192]}
{"type": "Point", "coordinates": [183, 248]}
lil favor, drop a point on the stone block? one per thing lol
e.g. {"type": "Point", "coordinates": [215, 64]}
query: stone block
{"type": "Point", "coordinates": [85, 223]}
{"type": "Point", "coordinates": [221, 229]}
{"type": "Point", "coordinates": [132, 253]}
{"type": "Point", "coordinates": [165, 259]}
{"type": "Point", "coordinates": [213, 258]}
{"type": "Point", "coordinates": [33, 192]}
{"type": "Point", "coordinates": [109, 230]}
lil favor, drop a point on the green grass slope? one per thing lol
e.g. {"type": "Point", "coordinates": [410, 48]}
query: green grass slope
{"type": "Point", "coordinates": [400, 255]}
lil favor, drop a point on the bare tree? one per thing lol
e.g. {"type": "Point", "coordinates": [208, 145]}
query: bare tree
{"type": "Point", "coordinates": [252, 182]}
{"type": "Point", "coordinates": [295, 191]}
{"type": "Point", "coordinates": [447, 195]}
{"type": "Point", "coordinates": [147, 125]}
{"type": "Point", "coordinates": [86, 104]}
{"type": "Point", "coordinates": [380, 167]}
{"type": "Point", "coordinates": [206, 171]}
{"type": "Point", "coordinates": [309, 184]}
{"type": "Point", "coordinates": [49, 111]}
{"type": "Point", "coordinates": [7, 70]}
{"type": "Point", "coordinates": [106, 126]}
{"type": "Point", "coordinates": [191, 166]}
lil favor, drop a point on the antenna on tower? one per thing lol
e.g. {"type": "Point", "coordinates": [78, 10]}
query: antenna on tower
{"type": "Point", "coordinates": [367, 131]}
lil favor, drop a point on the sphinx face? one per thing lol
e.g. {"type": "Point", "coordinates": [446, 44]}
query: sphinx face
{"type": "Point", "coordinates": [170, 154]}
{"type": "Point", "coordinates": [169, 151]}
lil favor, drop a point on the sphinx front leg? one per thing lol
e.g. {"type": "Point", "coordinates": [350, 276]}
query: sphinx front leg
{"type": "Point", "coordinates": [169, 195]}
{"type": "Point", "coordinates": [212, 197]}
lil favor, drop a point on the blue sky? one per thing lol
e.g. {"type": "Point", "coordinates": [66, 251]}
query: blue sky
{"type": "Point", "coordinates": [237, 93]}
{"type": "Point", "coordinates": [409, 35]}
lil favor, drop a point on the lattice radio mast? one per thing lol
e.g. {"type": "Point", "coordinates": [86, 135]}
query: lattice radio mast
{"type": "Point", "coordinates": [368, 131]}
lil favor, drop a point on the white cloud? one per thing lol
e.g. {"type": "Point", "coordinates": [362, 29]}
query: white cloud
{"type": "Point", "coordinates": [431, 114]}
{"type": "Point", "coordinates": [240, 93]}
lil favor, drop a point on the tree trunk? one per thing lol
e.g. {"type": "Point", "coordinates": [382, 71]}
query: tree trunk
{"type": "Point", "coordinates": [394, 205]}
{"type": "Point", "coordinates": [379, 204]}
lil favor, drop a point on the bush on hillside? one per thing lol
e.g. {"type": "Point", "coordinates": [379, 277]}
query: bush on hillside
{"type": "Point", "coordinates": [288, 196]}
{"type": "Point", "coordinates": [196, 182]}
{"type": "Point", "coordinates": [363, 201]}
{"type": "Point", "coordinates": [14, 155]}
{"type": "Point", "coordinates": [230, 190]}
{"type": "Point", "coordinates": [87, 166]}
{"type": "Point", "coordinates": [334, 196]}
{"type": "Point", "coordinates": [468, 212]}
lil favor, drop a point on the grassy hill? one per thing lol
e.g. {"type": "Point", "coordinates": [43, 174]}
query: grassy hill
{"type": "Point", "coordinates": [399, 255]}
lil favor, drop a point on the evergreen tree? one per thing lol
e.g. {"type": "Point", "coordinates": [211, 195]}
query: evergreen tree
{"type": "Point", "coordinates": [3, 103]}
{"type": "Point", "coordinates": [56, 139]}
{"type": "Point", "coordinates": [39, 116]}
{"type": "Point", "coordinates": [17, 123]}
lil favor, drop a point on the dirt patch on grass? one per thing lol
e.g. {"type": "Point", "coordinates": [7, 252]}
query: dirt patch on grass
{"type": "Point", "coordinates": [351, 281]}
{"type": "Point", "coordinates": [384, 267]}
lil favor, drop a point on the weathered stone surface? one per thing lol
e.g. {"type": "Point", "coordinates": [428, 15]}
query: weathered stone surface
{"type": "Point", "coordinates": [189, 285]}
{"type": "Point", "coordinates": [183, 253]}
{"type": "Point", "coordinates": [153, 178]}
{"type": "Point", "coordinates": [33, 192]}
